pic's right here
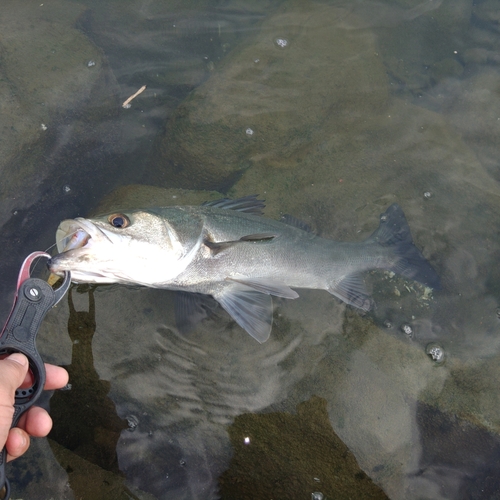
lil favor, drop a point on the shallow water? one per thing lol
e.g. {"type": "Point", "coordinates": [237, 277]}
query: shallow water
{"type": "Point", "coordinates": [331, 111]}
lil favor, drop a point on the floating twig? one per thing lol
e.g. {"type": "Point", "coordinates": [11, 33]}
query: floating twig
{"type": "Point", "coordinates": [126, 104]}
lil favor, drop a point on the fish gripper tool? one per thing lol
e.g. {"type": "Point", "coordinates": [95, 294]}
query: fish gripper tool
{"type": "Point", "coordinates": [34, 297]}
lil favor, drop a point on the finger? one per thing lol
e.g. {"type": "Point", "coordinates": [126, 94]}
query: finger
{"type": "Point", "coordinates": [17, 443]}
{"type": "Point", "coordinates": [56, 377]}
{"type": "Point", "coordinates": [36, 422]}
{"type": "Point", "coordinates": [12, 372]}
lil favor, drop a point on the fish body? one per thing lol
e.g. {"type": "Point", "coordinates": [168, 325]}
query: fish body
{"type": "Point", "coordinates": [227, 250]}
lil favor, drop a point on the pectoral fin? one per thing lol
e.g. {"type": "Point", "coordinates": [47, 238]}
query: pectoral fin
{"type": "Point", "coordinates": [352, 290]}
{"type": "Point", "coordinates": [252, 310]}
{"type": "Point", "coordinates": [218, 246]}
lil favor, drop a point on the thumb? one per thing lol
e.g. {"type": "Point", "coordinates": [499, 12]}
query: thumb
{"type": "Point", "coordinates": [13, 370]}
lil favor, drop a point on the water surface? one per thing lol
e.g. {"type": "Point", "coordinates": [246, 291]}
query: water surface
{"type": "Point", "coordinates": [331, 111]}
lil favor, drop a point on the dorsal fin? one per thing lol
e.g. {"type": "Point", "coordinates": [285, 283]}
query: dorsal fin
{"type": "Point", "coordinates": [248, 204]}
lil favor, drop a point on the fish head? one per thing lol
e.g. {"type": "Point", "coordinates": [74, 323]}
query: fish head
{"type": "Point", "coordinates": [137, 247]}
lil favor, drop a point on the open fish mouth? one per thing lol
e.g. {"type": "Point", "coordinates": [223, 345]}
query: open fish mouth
{"type": "Point", "coordinates": [78, 239]}
{"type": "Point", "coordinates": [76, 233]}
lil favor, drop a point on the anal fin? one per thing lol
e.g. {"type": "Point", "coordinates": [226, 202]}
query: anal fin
{"type": "Point", "coordinates": [351, 290]}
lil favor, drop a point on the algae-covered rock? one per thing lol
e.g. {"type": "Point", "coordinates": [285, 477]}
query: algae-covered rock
{"type": "Point", "coordinates": [280, 455]}
{"type": "Point", "coordinates": [269, 96]}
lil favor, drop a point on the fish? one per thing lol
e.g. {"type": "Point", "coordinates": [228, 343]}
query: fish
{"type": "Point", "coordinates": [227, 251]}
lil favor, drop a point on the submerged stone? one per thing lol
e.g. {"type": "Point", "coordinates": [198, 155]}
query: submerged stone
{"type": "Point", "coordinates": [304, 65]}
{"type": "Point", "coordinates": [292, 456]}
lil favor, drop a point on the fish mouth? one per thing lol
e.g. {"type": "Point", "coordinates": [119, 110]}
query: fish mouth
{"type": "Point", "coordinates": [74, 234]}
{"type": "Point", "coordinates": [70, 236]}
{"type": "Point", "coordinates": [74, 240]}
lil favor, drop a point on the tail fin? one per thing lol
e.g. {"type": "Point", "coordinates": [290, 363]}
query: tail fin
{"type": "Point", "coordinates": [394, 232]}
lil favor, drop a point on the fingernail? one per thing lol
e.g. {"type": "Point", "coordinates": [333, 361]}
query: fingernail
{"type": "Point", "coordinates": [18, 358]}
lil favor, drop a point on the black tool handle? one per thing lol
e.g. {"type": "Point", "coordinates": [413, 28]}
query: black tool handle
{"type": "Point", "coordinates": [35, 298]}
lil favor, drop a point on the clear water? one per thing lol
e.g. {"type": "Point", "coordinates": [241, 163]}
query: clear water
{"type": "Point", "coordinates": [331, 111]}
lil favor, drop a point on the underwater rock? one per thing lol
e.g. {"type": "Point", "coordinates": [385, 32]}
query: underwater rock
{"type": "Point", "coordinates": [266, 99]}
{"type": "Point", "coordinates": [280, 455]}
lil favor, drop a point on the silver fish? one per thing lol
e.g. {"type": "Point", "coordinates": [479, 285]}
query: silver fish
{"type": "Point", "coordinates": [227, 250]}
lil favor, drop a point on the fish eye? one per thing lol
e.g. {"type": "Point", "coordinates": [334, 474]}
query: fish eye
{"type": "Point", "coordinates": [119, 221]}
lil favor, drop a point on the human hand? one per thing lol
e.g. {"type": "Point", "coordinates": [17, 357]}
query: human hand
{"type": "Point", "coordinates": [36, 421]}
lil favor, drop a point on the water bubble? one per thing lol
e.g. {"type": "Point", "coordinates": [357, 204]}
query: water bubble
{"type": "Point", "coordinates": [246, 440]}
{"type": "Point", "coordinates": [67, 387]}
{"type": "Point", "coordinates": [43, 127]}
{"type": "Point", "coordinates": [66, 189]}
{"type": "Point", "coordinates": [317, 495]}
{"type": "Point", "coordinates": [387, 324]}
{"type": "Point", "coordinates": [127, 106]}
{"type": "Point", "coordinates": [90, 64]}
{"type": "Point", "coordinates": [132, 422]}
{"type": "Point", "coordinates": [407, 329]}
{"type": "Point", "coordinates": [435, 352]}
{"type": "Point", "coordinates": [281, 42]}
{"type": "Point", "coordinates": [383, 218]}
{"type": "Point", "coordinates": [427, 194]}
{"type": "Point", "coordinates": [249, 131]}
{"type": "Point", "coordinates": [182, 462]}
